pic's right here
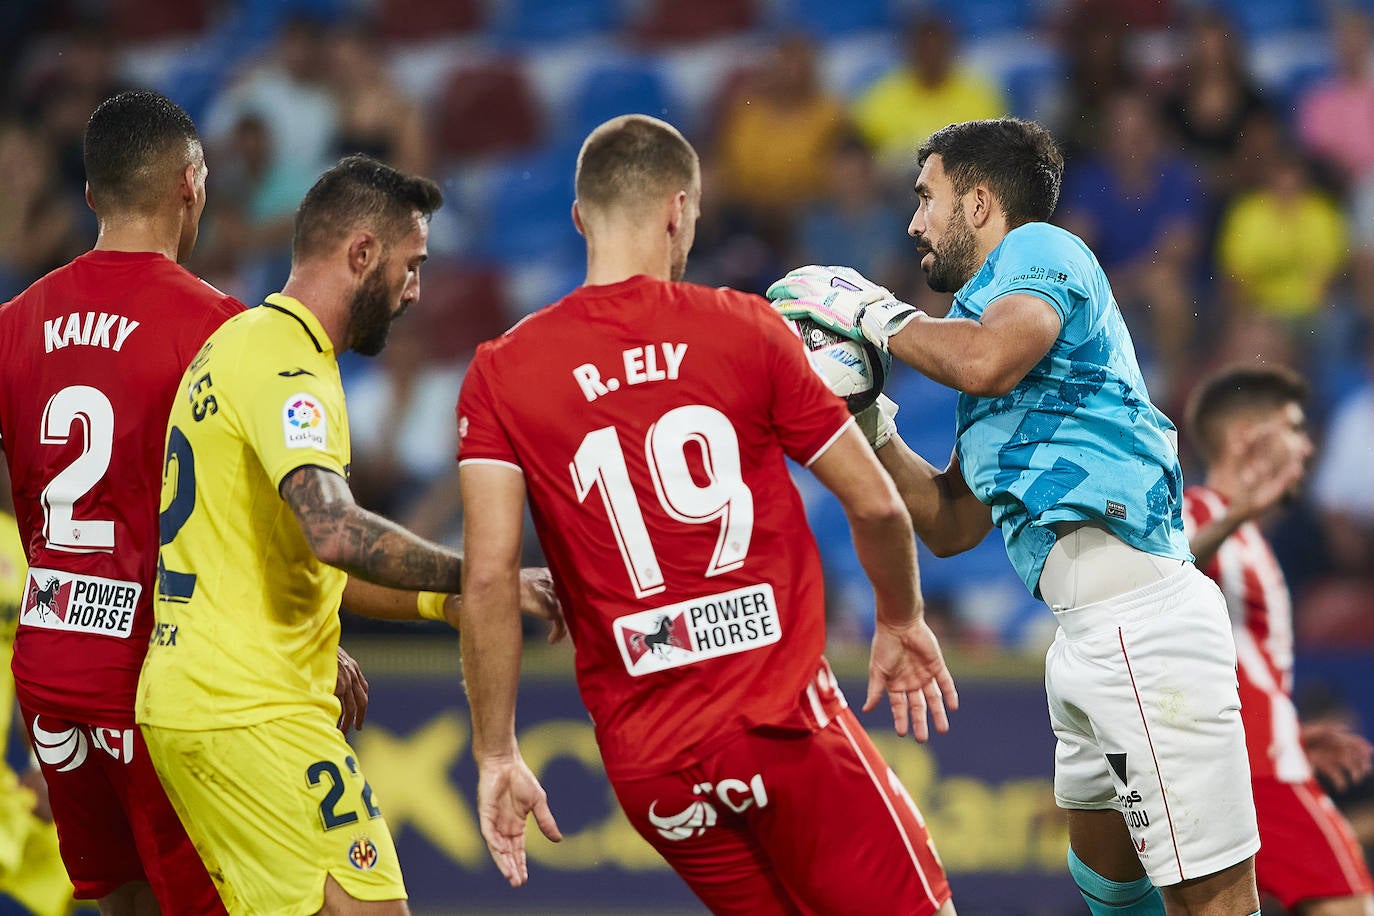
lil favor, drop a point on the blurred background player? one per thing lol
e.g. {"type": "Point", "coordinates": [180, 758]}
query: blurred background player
{"type": "Point", "coordinates": [235, 696]}
{"type": "Point", "coordinates": [89, 358]}
{"type": "Point", "coordinates": [1250, 424]}
{"type": "Point", "coordinates": [31, 868]}
{"type": "Point", "coordinates": [1060, 446]}
{"type": "Point", "coordinates": [699, 615]}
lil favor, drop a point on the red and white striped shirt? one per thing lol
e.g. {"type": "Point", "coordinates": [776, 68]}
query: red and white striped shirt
{"type": "Point", "coordinates": [1262, 619]}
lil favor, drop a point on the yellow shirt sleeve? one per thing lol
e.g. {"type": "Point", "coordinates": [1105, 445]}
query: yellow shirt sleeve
{"type": "Point", "coordinates": [294, 422]}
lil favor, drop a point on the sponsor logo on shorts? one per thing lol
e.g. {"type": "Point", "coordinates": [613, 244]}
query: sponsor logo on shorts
{"type": "Point", "coordinates": [65, 749]}
{"type": "Point", "coordinates": [1116, 510]}
{"type": "Point", "coordinates": [692, 631]}
{"type": "Point", "coordinates": [736, 794]}
{"type": "Point", "coordinates": [363, 854]}
{"type": "Point", "coordinates": [304, 422]}
{"type": "Point", "coordinates": [1132, 804]}
{"type": "Point", "coordinates": [57, 600]}
{"type": "Point", "coordinates": [686, 824]}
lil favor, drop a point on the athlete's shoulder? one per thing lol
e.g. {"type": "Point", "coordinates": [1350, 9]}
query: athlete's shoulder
{"type": "Point", "coordinates": [1047, 242]}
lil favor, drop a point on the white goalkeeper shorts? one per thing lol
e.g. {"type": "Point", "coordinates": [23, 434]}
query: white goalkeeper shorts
{"type": "Point", "coordinates": [1143, 699]}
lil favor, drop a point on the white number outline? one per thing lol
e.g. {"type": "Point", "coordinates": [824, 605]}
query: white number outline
{"type": "Point", "coordinates": [92, 410]}
{"type": "Point", "coordinates": [600, 460]}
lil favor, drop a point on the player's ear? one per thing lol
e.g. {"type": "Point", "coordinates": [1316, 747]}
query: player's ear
{"type": "Point", "coordinates": [90, 198]}
{"type": "Point", "coordinates": [363, 251]}
{"type": "Point", "coordinates": [577, 220]}
{"type": "Point", "coordinates": [187, 185]}
{"type": "Point", "coordinates": [677, 212]}
{"type": "Point", "coordinates": [978, 206]}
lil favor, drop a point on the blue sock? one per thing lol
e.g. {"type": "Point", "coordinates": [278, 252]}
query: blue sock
{"type": "Point", "coordinates": [1115, 898]}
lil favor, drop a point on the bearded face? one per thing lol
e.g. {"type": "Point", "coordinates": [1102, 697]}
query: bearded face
{"type": "Point", "coordinates": [375, 304]}
{"type": "Point", "coordinates": [953, 257]}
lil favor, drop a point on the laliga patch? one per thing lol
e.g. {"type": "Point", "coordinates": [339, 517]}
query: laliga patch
{"type": "Point", "coordinates": [55, 600]}
{"type": "Point", "coordinates": [304, 423]}
{"type": "Point", "coordinates": [693, 631]}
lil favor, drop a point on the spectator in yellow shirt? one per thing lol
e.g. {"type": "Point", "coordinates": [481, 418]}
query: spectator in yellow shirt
{"type": "Point", "coordinates": [1282, 245]}
{"type": "Point", "coordinates": [926, 92]}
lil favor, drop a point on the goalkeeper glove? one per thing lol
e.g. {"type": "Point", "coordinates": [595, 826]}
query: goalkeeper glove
{"type": "Point", "coordinates": [878, 423]}
{"type": "Point", "coordinates": [842, 300]}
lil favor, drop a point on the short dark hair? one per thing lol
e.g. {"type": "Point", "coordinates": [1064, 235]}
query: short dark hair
{"type": "Point", "coordinates": [632, 158]}
{"type": "Point", "coordinates": [132, 141]}
{"type": "Point", "coordinates": [361, 191]}
{"type": "Point", "coordinates": [1235, 390]}
{"type": "Point", "coordinates": [1018, 160]}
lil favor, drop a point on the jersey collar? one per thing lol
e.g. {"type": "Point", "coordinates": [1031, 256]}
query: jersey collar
{"type": "Point", "coordinates": [293, 307]}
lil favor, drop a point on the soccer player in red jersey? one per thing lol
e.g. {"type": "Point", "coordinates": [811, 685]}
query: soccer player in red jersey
{"type": "Point", "coordinates": [648, 421]}
{"type": "Point", "coordinates": [90, 359]}
{"type": "Point", "coordinates": [1250, 425]}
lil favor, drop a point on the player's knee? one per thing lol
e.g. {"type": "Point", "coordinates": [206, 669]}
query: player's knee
{"type": "Point", "coordinates": [1106, 897]}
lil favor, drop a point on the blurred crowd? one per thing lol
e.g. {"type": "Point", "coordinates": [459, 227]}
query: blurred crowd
{"type": "Point", "coordinates": [1220, 164]}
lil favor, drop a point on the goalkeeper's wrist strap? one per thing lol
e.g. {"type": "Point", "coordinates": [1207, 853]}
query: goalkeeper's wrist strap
{"type": "Point", "coordinates": [430, 605]}
{"type": "Point", "coordinates": [881, 320]}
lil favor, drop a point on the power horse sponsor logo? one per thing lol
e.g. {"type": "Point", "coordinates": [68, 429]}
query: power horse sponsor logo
{"type": "Point", "coordinates": [56, 600]}
{"type": "Point", "coordinates": [692, 631]}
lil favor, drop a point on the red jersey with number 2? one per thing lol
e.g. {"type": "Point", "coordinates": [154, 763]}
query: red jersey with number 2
{"type": "Point", "coordinates": [91, 357]}
{"type": "Point", "coordinates": [651, 421]}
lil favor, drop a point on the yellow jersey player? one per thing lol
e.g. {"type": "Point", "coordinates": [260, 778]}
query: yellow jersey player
{"type": "Point", "coordinates": [31, 868]}
{"type": "Point", "coordinates": [259, 529]}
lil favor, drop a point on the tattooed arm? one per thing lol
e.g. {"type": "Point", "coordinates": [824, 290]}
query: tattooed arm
{"type": "Point", "coordinates": [362, 543]}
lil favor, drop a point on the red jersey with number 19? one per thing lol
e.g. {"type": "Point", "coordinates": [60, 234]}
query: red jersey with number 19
{"type": "Point", "coordinates": [90, 359]}
{"type": "Point", "coordinates": [651, 421]}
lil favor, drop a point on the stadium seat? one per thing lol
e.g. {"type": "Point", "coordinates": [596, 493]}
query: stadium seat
{"type": "Point", "coordinates": [525, 209]}
{"type": "Point", "coordinates": [981, 18]}
{"type": "Point", "coordinates": [144, 20]}
{"type": "Point", "coordinates": [464, 304]}
{"type": "Point", "coordinates": [675, 22]}
{"type": "Point", "coordinates": [528, 22]}
{"type": "Point", "coordinates": [488, 108]}
{"type": "Point", "coordinates": [826, 19]}
{"type": "Point", "coordinates": [423, 20]}
{"type": "Point", "coordinates": [1260, 18]}
{"type": "Point", "coordinates": [625, 87]}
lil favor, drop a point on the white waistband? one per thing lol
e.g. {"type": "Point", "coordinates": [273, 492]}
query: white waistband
{"type": "Point", "coordinates": [1088, 564]}
{"type": "Point", "coordinates": [1154, 600]}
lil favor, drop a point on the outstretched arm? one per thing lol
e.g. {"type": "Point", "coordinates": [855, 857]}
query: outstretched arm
{"type": "Point", "coordinates": [906, 661]}
{"type": "Point", "coordinates": [946, 515]}
{"type": "Point", "coordinates": [987, 358]}
{"type": "Point", "coordinates": [362, 543]}
{"type": "Point", "coordinates": [507, 792]}
{"type": "Point", "coordinates": [537, 599]}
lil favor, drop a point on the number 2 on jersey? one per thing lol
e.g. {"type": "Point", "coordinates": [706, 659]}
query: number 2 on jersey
{"type": "Point", "coordinates": [172, 585]}
{"type": "Point", "coordinates": [600, 462]}
{"type": "Point", "coordinates": [91, 409]}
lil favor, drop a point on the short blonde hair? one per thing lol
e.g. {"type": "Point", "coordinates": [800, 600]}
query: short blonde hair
{"type": "Point", "coordinates": [631, 160]}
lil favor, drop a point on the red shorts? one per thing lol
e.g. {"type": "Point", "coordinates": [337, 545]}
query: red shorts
{"type": "Point", "coordinates": [114, 822]}
{"type": "Point", "coordinates": [792, 822]}
{"type": "Point", "coordinates": [1309, 850]}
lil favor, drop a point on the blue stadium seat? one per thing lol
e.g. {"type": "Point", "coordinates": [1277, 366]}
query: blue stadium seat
{"type": "Point", "coordinates": [527, 22]}
{"type": "Point", "coordinates": [623, 87]}
{"type": "Point", "coordinates": [981, 18]}
{"type": "Point", "coordinates": [826, 19]}
{"type": "Point", "coordinates": [1260, 18]}
{"type": "Point", "coordinates": [525, 209]}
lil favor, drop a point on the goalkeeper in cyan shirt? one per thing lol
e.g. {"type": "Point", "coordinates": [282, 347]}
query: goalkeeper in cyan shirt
{"type": "Point", "coordinates": [1060, 447]}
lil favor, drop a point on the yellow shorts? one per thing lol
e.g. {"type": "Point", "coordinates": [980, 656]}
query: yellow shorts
{"type": "Point", "coordinates": [274, 808]}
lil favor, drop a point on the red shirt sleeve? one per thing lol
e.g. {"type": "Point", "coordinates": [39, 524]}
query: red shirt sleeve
{"type": "Point", "coordinates": [481, 435]}
{"type": "Point", "coordinates": [806, 415]}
